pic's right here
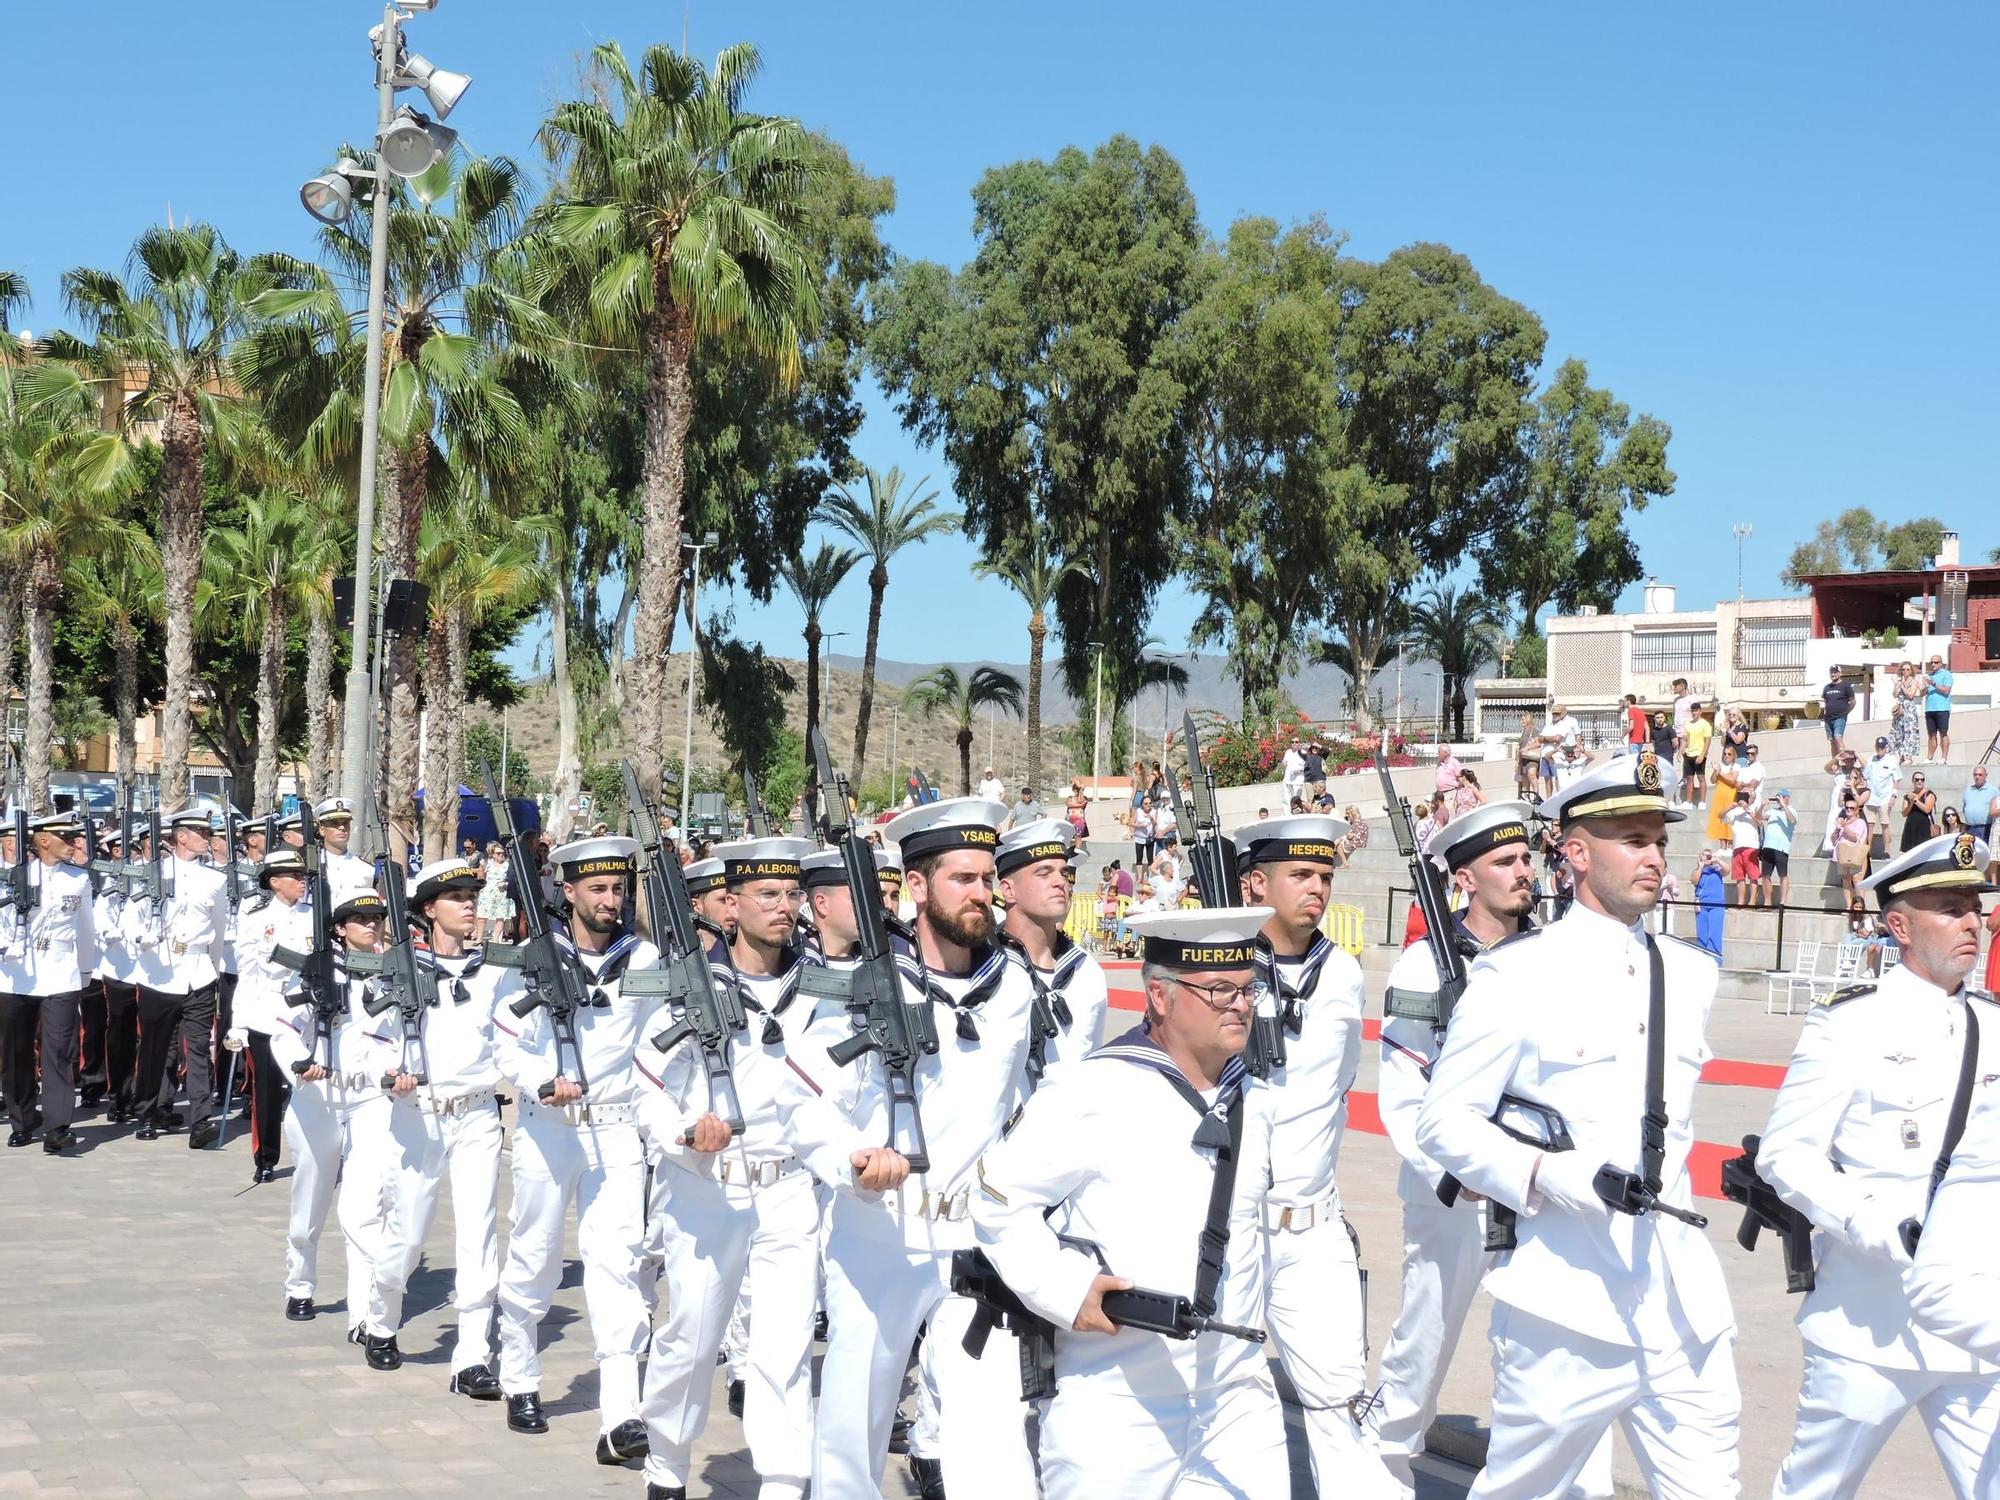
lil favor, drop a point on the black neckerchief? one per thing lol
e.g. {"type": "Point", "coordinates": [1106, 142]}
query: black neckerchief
{"type": "Point", "coordinates": [472, 958]}
{"type": "Point", "coordinates": [1137, 1046]}
{"type": "Point", "coordinates": [610, 964]}
{"type": "Point", "coordinates": [799, 960]}
{"type": "Point", "coordinates": [1292, 998]}
{"type": "Point", "coordinates": [988, 965]}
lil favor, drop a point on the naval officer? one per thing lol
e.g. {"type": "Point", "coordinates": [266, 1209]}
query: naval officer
{"type": "Point", "coordinates": [48, 953]}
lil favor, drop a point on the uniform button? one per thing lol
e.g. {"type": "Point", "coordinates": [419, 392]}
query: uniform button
{"type": "Point", "coordinates": [1579, 1052]}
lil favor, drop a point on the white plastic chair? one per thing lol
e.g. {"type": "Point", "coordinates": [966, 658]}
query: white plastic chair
{"type": "Point", "coordinates": [1804, 971]}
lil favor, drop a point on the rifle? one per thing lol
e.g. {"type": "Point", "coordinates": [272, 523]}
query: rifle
{"type": "Point", "coordinates": [91, 862]}
{"type": "Point", "coordinates": [117, 869]}
{"type": "Point", "coordinates": [408, 983]}
{"type": "Point", "coordinates": [151, 878]}
{"type": "Point", "coordinates": [704, 1009]}
{"type": "Point", "coordinates": [550, 977]}
{"type": "Point", "coordinates": [21, 893]}
{"type": "Point", "coordinates": [925, 791]}
{"type": "Point", "coordinates": [319, 986]}
{"type": "Point", "coordinates": [1764, 1209]}
{"type": "Point", "coordinates": [1532, 1124]}
{"type": "Point", "coordinates": [232, 823]}
{"type": "Point", "coordinates": [872, 991]}
{"type": "Point", "coordinates": [755, 814]}
{"type": "Point", "coordinates": [1628, 1194]}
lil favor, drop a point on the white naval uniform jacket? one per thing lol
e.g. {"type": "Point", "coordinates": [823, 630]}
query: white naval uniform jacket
{"type": "Point", "coordinates": [1859, 1121]}
{"type": "Point", "coordinates": [965, 1094]}
{"type": "Point", "coordinates": [1954, 1287]}
{"type": "Point", "coordinates": [608, 1030]}
{"type": "Point", "coordinates": [116, 959]}
{"type": "Point", "coordinates": [346, 875]}
{"type": "Point", "coordinates": [181, 951]}
{"type": "Point", "coordinates": [263, 926]}
{"type": "Point", "coordinates": [1111, 1142]}
{"type": "Point", "coordinates": [1558, 1016]}
{"type": "Point", "coordinates": [1078, 980]}
{"type": "Point", "coordinates": [363, 1047]}
{"type": "Point", "coordinates": [458, 1057]}
{"type": "Point", "coordinates": [674, 1084]}
{"type": "Point", "coordinates": [1319, 994]}
{"type": "Point", "coordinates": [58, 949]}
{"type": "Point", "coordinates": [1409, 1047]}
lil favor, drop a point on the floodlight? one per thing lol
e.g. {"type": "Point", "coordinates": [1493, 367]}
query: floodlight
{"type": "Point", "coordinates": [414, 142]}
{"type": "Point", "coordinates": [329, 197]}
{"type": "Point", "coordinates": [440, 85]}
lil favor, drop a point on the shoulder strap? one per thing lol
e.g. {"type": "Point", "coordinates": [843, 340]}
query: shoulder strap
{"type": "Point", "coordinates": [1653, 1133]}
{"type": "Point", "coordinates": [1961, 1103]}
{"type": "Point", "coordinates": [1214, 1245]}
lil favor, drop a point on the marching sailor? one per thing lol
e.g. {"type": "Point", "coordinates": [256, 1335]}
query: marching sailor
{"type": "Point", "coordinates": [45, 956]}
{"type": "Point", "coordinates": [118, 971]}
{"type": "Point", "coordinates": [893, 1232]}
{"type": "Point", "coordinates": [1954, 1285]}
{"type": "Point", "coordinates": [338, 1125]}
{"type": "Point", "coordinates": [741, 1214]}
{"type": "Point", "coordinates": [280, 917]}
{"type": "Point", "coordinates": [446, 1118]}
{"type": "Point", "coordinates": [1863, 1115]}
{"type": "Point", "coordinates": [580, 1144]}
{"type": "Point", "coordinates": [1605, 1313]}
{"type": "Point", "coordinates": [345, 872]}
{"type": "Point", "coordinates": [711, 896]}
{"type": "Point", "coordinates": [178, 943]}
{"type": "Point", "coordinates": [823, 876]}
{"type": "Point", "coordinates": [1033, 869]}
{"type": "Point", "coordinates": [1130, 1149]}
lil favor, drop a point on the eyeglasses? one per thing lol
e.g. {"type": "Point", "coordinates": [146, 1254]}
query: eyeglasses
{"type": "Point", "coordinates": [1224, 995]}
{"type": "Point", "coordinates": [769, 900]}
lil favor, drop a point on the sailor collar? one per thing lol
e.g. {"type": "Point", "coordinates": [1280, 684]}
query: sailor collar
{"type": "Point", "coordinates": [1293, 994]}
{"type": "Point", "coordinates": [989, 965]}
{"type": "Point", "coordinates": [1138, 1048]}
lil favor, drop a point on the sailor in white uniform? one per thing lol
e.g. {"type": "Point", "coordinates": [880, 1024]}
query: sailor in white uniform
{"type": "Point", "coordinates": [1312, 1281]}
{"type": "Point", "coordinates": [579, 1144]}
{"type": "Point", "coordinates": [1125, 1152]}
{"type": "Point", "coordinates": [740, 1211]}
{"type": "Point", "coordinates": [345, 873]}
{"type": "Point", "coordinates": [1954, 1285]}
{"type": "Point", "coordinates": [1032, 865]}
{"type": "Point", "coordinates": [118, 970]}
{"type": "Point", "coordinates": [446, 1119]}
{"type": "Point", "coordinates": [178, 941]}
{"type": "Point", "coordinates": [1605, 1313]}
{"type": "Point", "coordinates": [46, 954]}
{"type": "Point", "coordinates": [893, 1228]}
{"type": "Point", "coordinates": [710, 896]}
{"type": "Point", "coordinates": [280, 917]}
{"type": "Point", "coordinates": [337, 1126]}
{"type": "Point", "coordinates": [1855, 1131]}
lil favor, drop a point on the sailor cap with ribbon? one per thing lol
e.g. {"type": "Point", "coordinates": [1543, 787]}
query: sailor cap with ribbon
{"type": "Point", "coordinates": [1031, 843]}
{"type": "Point", "coordinates": [1950, 862]}
{"type": "Point", "coordinates": [1311, 837]}
{"type": "Point", "coordinates": [362, 906]}
{"type": "Point", "coordinates": [285, 861]}
{"type": "Point", "coordinates": [333, 809]}
{"type": "Point", "coordinates": [1220, 937]}
{"type": "Point", "coordinates": [1481, 831]}
{"type": "Point", "coordinates": [609, 854]}
{"type": "Point", "coordinates": [823, 867]}
{"type": "Point", "coordinates": [703, 876]}
{"type": "Point", "coordinates": [444, 875]}
{"type": "Point", "coordinates": [57, 823]}
{"type": "Point", "coordinates": [952, 823]}
{"type": "Point", "coordinates": [1624, 784]}
{"type": "Point", "coordinates": [190, 817]}
{"type": "Point", "coordinates": [889, 864]}
{"type": "Point", "coordinates": [762, 859]}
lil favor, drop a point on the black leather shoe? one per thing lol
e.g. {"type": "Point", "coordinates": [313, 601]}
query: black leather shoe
{"type": "Point", "coordinates": [819, 1325]}
{"type": "Point", "coordinates": [477, 1381]}
{"type": "Point", "coordinates": [90, 1097]}
{"type": "Point", "coordinates": [57, 1141]}
{"type": "Point", "coordinates": [203, 1134]}
{"type": "Point", "coordinates": [299, 1309]}
{"type": "Point", "coordinates": [666, 1492]}
{"type": "Point", "coordinates": [735, 1398]}
{"type": "Point", "coordinates": [264, 1174]}
{"type": "Point", "coordinates": [20, 1137]}
{"type": "Point", "coordinates": [173, 1119]}
{"type": "Point", "coordinates": [524, 1412]}
{"type": "Point", "coordinates": [381, 1353]}
{"type": "Point", "coordinates": [147, 1131]}
{"type": "Point", "coordinates": [623, 1443]}
{"type": "Point", "coordinates": [929, 1476]}
{"type": "Point", "coordinates": [357, 1335]}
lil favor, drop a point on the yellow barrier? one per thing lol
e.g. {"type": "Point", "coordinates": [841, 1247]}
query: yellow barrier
{"type": "Point", "coordinates": [1085, 922]}
{"type": "Point", "coordinates": [1342, 926]}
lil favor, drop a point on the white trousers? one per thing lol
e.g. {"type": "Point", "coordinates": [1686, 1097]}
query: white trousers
{"type": "Point", "coordinates": [600, 1167]}
{"type": "Point", "coordinates": [1312, 1308]}
{"type": "Point", "coordinates": [468, 1146]}
{"type": "Point", "coordinates": [1228, 1441]}
{"type": "Point", "coordinates": [1556, 1393]}
{"type": "Point", "coordinates": [349, 1146]}
{"type": "Point", "coordinates": [1847, 1409]}
{"type": "Point", "coordinates": [876, 1295]}
{"type": "Point", "coordinates": [923, 1438]}
{"type": "Point", "coordinates": [1444, 1256]}
{"type": "Point", "coordinates": [719, 1240]}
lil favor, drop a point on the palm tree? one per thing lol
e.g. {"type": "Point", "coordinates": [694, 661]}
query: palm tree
{"type": "Point", "coordinates": [120, 589]}
{"type": "Point", "coordinates": [265, 573]}
{"type": "Point", "coordinates": [19, 439]}
{"type": "Point", "coordinates": [447, 319]}
{"type": "Point", "coordinates": [883, 526]}
{"type": "Point", "coordinates": [172, 321]}
{"type": "Point", "coordinates": [1029, 568]}
{"type": "Point", "coordinates": [66, 479]}
{"type": "Point", "coordinates": [812, 581]}
{"type": "Point", "coordinates": [1459, 629]}
{"type": "Point", "coordinates": [961, 698]}
{"type": "Point", "coordinates": [680, 215]}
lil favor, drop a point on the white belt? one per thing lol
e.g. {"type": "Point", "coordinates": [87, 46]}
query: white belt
{"type": "Point", "coordinates": [756, 1173]}
{"type": "Point", "coordinates": [1282, 1220]}
{"type": "Point", "coordinates": [53, 945]}
{"type": "Point", "coordinates": [355, 1082]}
{"type": "Point", "coordinates": [463, 1104]}
{"type": "Point", "coordinates": [583, 1112]}
{"type": "Point", "coordinates": [944, 1208]}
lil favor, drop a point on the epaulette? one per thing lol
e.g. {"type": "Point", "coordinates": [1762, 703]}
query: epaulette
{"type": "Point", "coordinates": [1852, 992]}
{"type": "Point", "coordinates": [1693, 947]}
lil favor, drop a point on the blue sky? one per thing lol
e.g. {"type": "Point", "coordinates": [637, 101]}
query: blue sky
{"type": "Point", "coordinates": [1773, 226]}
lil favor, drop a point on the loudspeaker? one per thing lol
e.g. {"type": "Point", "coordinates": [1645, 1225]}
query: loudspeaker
{"type": "Point", "coordinates": [407, 609]}
{"type": "Point", "coordinates": [343, 603]}
{"type": "Point", "coordinates": [1992, 637]}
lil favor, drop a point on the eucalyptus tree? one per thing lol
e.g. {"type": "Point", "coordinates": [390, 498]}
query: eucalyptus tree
{"type": "Point", "coordinates": [1027, 566]}
{"type": "Point", "coordinates": [169, 322]}
{"type": "Point", "coordinates": [812, 581]}
{"type": "Point", "coordinates": [883, 522]}
{"type": "Point", "coordinates": [960, 698]}
{"type": "Point", "coordinates": [683, 215]}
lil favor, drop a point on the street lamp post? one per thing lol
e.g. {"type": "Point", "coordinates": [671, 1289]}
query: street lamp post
{"type": "Point", "coordinates": [1097, 722]}
{"type": "Point", "coordinates": [826, 691]}
{"type": "Point", "coordinates": [1742, 530]}
{"type": "Point", "coordinates": [689, 544]}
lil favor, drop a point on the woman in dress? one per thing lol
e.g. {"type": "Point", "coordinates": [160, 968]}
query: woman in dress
{"type": "Point", "coordinates": [494, 915]}
{"type": "Point", "coordinates": [1919, 813]}
{"type": "Point", "coordinates": [1465, 794]}
{"type": "Point", "coordinates": [1906, 722]}
{"type": "Point", "coordinates": [1722, 794]}
{"type": "Point", "coordinates": [1735, 730]}
{"type": "Point", "coordinates": [1077, 809]}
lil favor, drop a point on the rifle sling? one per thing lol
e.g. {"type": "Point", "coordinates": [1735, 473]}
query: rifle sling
{"type": "Point", "coordinates": [1653, 1133]}
{"type": "Point", "coordinates": [1214, 1243]}
{"type": "Point", "coordinates": [1961, 1103]}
